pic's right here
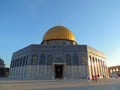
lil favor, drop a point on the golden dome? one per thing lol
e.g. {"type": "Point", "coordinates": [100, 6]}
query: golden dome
{"type": "Point", "coordinates": [59, 32]}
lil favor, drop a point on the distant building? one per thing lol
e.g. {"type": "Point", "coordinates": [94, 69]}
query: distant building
{"type": "Point", "coordinates": [58, 56]}
{"type": "Point", "coordinates": [114, 71]}
{"type": "Point", "coordinates": [3, 70]}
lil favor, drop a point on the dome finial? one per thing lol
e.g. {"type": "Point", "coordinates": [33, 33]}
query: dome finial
{"type": "Point", "coordinates": [59, 23]}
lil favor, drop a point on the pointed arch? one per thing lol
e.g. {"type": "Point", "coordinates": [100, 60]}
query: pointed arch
{"type": "Point", "coordinates": [59, 60]}
{"type": "Point", "coordinates": [75, 59]}
{"type": "Point", "coordinates": [68, 59]}
{"type": "Point", "coordinates": [49, 59]}
{"type": "Point", "coordinates": [42, 60]}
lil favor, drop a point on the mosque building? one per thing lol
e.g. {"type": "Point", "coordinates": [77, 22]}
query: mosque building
{"type": "Point", "coordinates": [58, 57]}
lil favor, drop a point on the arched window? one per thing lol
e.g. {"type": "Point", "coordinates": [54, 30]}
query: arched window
{"type": "Point", "coordinates": [49, 59]}
{"type": "Point", "coordinates": [23, 60]}
{"type": "Point", "coordinates": [15, 63]}
{"type": "Point", "coordinates": [42, 60]}
{"type": "Point", "coordinates": [18, 64]}
{"type": "Point", "coordinates": [75, 60]}
{"type": "Point", "coordinates": [34, 59]}
{"type": "Point", "coordinates": [83, 60]}
{"type": "Point", "coordinates": [68, 59]}
{"type": "Point", "coordinates": [90, 60]}
{"type": "Point", "coordinates": [59, 60]}
{"type": "Point", "coordinates": [26, 60]}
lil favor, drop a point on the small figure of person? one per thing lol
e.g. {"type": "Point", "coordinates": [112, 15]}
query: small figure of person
{"type": "Point", "coordinates": [88, 78]}
{"type": "Point", "coordinates": [92, 77]}
{"type": "Point", "coordinates": [96, 78]}
{"type": "Point", "coordinates": [98, 75]}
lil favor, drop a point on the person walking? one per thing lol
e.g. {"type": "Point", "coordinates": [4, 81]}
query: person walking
{"type": "Point", "coordinates": [88, 78]}
{"type": "Point", "coordinates": [96, 78]}
{"type": "Point", "coordinates": [92, 77]}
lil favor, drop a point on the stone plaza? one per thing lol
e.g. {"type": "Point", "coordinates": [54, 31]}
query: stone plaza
{"type": "Point", "coordinates": [83, 84]}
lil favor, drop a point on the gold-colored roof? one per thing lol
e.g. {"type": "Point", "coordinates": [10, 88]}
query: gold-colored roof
{"type": "Point", "coordinates": [59, 32]}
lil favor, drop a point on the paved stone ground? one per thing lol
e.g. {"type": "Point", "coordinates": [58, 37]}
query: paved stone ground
{"type": "Point", "coordinates": [109, 84]}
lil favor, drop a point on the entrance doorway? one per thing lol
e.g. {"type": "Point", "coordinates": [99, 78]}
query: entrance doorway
{"type": "Point", "coordinates": [59, 71]}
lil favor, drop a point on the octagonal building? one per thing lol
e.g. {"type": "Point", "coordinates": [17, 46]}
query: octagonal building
{"type": "Point", "coordinates": [58, 57]}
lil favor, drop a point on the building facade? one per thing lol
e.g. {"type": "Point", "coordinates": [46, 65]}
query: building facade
{"type": "Point", "coordinates": [114, 71]}
{"type": "Point", "coordinates": [58, 56]}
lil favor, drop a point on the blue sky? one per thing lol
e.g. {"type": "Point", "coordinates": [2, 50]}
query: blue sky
{"type": "Point", "coordinates": [93, 22]}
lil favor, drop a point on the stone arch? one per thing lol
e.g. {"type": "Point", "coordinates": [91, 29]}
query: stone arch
{"type": "Point", "coordinates": [59, 60]}
{"type": "Point", "coordinates": [34, 59]}
{"type": "Point", "coordinates": [49, 59]}
{"type": "Point", "coordinates": [75, 60]}
{"type": "Point", "coordinates": [42, 60]}
{"type": "Point", "coordinates": [68, 59]}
